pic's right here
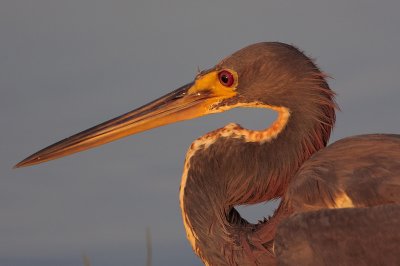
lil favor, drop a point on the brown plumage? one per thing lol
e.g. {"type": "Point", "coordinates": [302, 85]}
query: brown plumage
{"type": "Point", "coordinates": [331, 237]}
{"type": "Point", "coordinates": [233, 166]}
{"type": "Point", "coordinates": [358, 171]}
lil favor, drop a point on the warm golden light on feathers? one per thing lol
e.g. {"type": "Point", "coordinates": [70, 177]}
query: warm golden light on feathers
{"type": "Point", "coordinates": [234, 166]}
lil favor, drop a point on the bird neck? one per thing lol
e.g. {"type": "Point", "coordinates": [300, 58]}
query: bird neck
{"type": "Point", "coordinates": [233, 166]}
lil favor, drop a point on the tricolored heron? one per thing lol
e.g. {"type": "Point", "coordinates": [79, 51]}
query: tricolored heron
{"type": "Point", "coordinates": [233, 166]}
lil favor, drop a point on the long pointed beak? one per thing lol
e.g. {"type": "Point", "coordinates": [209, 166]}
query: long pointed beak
{"type": "Point", "coordinates": [178, 105]}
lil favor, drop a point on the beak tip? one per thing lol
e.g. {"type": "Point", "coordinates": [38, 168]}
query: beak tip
{"type": "Point", "coordinates": [26, 162]}
{"type": "Point", "coordinates": [19, 165]}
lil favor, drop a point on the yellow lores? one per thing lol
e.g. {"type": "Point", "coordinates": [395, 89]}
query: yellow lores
{"type": "Point", "coordinates": [210, 82]}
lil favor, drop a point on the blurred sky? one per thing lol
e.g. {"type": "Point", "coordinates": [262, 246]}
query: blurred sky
{"type": "Point", "coordinates": [68, 65]}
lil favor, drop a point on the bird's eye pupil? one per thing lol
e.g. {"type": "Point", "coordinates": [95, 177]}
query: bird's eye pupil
{"type": "Point", "coordinates": [226, 78]}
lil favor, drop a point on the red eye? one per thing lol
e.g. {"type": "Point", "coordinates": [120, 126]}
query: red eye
{"type": "Point", "coordinates": [226, 78]}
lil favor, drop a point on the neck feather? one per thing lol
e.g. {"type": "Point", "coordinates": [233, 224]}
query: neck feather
{"type": "Point", "coordinates": [233, 166]}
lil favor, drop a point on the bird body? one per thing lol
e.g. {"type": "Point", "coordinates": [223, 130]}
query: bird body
{"type": "Point", "coordinates": [358, 171]}
{"type": "Point", "coordinates": [233, 166]}
{"type": "Point", "coordinates": [354, 172]}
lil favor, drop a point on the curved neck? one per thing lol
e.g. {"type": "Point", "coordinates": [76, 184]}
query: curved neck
{"type": "Point", "coordinates": [233, 166]}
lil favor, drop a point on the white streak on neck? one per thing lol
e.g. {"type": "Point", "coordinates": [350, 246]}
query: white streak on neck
{"type": "Point", "coordinates": [231, 130]}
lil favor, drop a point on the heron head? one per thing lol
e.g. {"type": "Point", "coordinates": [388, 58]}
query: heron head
{"type": "Point", "coordinates": [264, 74]}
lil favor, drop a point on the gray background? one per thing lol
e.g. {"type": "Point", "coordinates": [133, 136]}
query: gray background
{"type": "Point", "coordinates": [68, 65]}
